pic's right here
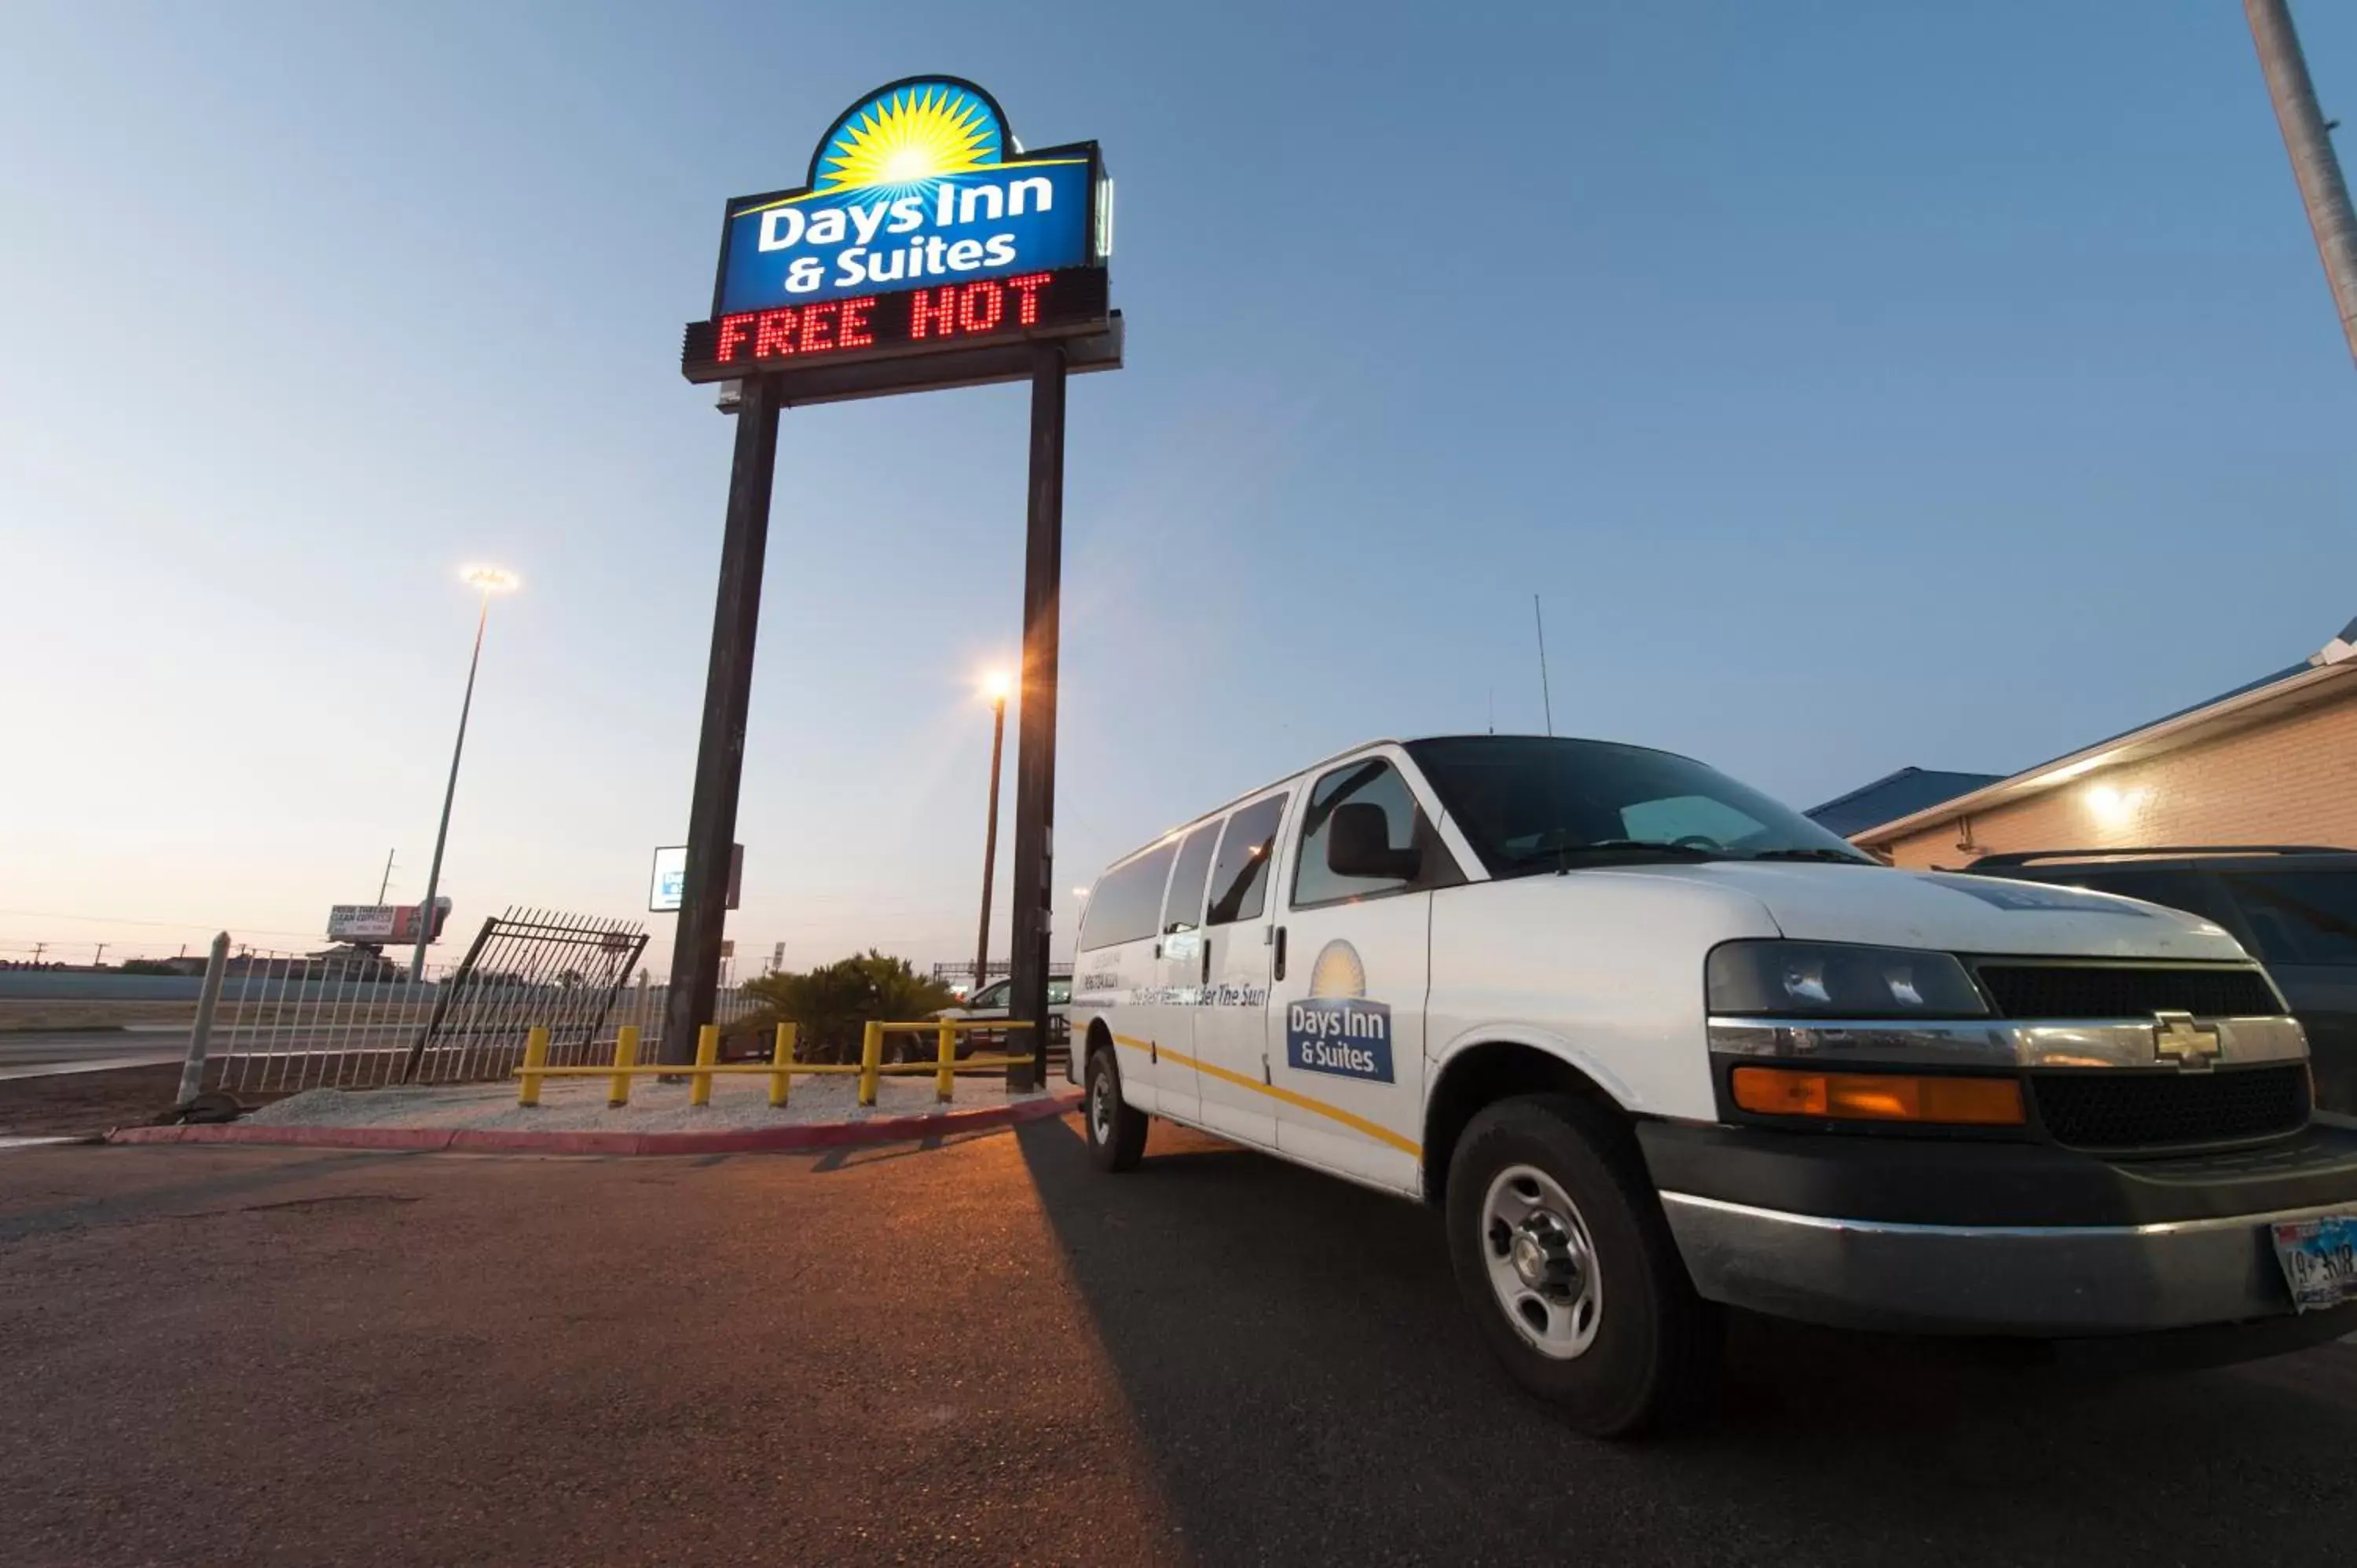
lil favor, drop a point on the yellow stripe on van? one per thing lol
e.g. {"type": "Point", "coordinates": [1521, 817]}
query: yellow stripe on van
{"type": "Point", "coordinates": [1360, 1124]}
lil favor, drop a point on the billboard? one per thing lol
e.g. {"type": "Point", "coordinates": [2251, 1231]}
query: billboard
{"type": "Point", "coordinates": [669, 884]}
{"type": "Point", "coordinates": [922, 226]}
{"type": "Point", "coordinates": [373, 923]}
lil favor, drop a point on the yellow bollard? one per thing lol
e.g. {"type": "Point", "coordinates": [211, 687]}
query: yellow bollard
{"type": "Point", "coordinates": [871, 1057]}
{"type": "Point", "coordinates": [536, 1056]}
{"type": "Point", "coordinates": [708, 1052]}
{"type": "Point", "coordinates": [626, 1055]}
{"type": "Point", "coordinates": [946, 1079]}
{"type": "Point", "coordinates": [782, 1058]}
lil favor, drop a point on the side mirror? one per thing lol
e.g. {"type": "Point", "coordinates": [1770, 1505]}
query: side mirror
{"type": "Point", "coordinates": [1358, 843]}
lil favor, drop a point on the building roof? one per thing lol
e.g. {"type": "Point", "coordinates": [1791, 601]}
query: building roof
{"type": "Point", "coordinates": [2323, 676]}
{"type": "Point", "coordinates": [1894, 795]}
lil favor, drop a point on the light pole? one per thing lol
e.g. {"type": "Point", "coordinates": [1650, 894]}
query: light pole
{"type": "Point", "coordinates": [2308, 136]}
{"type": "Point", "coordinates": [491, 580]}
{"type": "Point", "coordinates": [995, 686]}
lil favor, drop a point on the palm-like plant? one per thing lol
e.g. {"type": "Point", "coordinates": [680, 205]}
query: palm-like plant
{"type": "Point", "coordinates": [831, 1004]}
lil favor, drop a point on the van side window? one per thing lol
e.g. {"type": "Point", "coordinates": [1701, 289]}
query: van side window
{"type": "Point", "coordinates": [1240, 876]}
{"type": "Point", "coordinates": [1362, 836]}
{"type": "Point", "coordinates": [1183, 909]}
{"type": "Point", "coordinates": [1128, 903]}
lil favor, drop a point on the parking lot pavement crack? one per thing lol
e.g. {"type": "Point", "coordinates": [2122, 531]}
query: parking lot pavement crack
{"type": "Point", "coordinates": [339, 1201]}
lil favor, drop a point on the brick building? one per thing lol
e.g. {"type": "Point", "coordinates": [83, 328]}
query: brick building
{"type": "Point", "coordinates": [2271, 762]}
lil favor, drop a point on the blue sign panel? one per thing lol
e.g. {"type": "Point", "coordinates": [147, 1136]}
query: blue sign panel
{"type": "Point", "coordinates": [916, 185]}
{"type": "Point", "coordinates": [1347, 1038]}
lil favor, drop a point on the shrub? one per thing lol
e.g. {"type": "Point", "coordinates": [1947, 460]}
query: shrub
{"type": "Point", "coordinates": [831, 1004]}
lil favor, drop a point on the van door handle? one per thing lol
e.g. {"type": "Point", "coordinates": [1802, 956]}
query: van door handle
{"type": "Point", "coordinates": [1277, 971]}
{"type": "Point", "coordinates": [1206, 979]}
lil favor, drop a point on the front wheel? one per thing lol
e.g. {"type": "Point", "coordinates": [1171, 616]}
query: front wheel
{"type": "Point", "coordinates": [1116, 1130]}
{"type": "Point", "coordinates": [1565, 1262]}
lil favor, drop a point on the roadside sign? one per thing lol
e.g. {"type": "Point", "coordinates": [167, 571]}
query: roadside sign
{"type": "Point", "coordinates": [924, 237]}
{"type": "Point", "coordinates": [382, 922]}
{"type": "Point", "coordinates": [669, 887]}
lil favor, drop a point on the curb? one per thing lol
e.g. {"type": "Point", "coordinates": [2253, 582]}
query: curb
{"type": "Point", "coordinates": [739, 1140]}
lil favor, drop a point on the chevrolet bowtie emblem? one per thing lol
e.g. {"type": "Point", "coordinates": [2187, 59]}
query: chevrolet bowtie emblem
{"type": "Point", "coordinates": [2177, 1038]}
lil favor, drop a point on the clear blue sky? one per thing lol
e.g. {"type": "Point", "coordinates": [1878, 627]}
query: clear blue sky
{"type": "Point", "coordinates": [1862, 385]}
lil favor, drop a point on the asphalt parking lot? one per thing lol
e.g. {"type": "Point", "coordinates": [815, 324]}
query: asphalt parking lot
{"type": "Point", "coordinates": [985, 1352]}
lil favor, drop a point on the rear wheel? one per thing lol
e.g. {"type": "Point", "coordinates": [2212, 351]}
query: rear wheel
{"type": "Point", "coordinates": [1116, 1130]}
{"type": "Point", "coordinates": [1564, 1258]}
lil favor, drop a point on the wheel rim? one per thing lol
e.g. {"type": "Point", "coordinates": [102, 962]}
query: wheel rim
{"type": "Point", "coordinates": [1542, 1262]}
{"type": "Point", "coordinates": [1101, 1106]}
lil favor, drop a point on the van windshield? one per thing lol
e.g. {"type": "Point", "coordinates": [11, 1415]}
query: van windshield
{"type": "Point", "coordinates": [1531, 805]}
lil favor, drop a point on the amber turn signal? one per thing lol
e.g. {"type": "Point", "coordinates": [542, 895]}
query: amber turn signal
{"type": "Point", "coordinates": [1879, 1097]}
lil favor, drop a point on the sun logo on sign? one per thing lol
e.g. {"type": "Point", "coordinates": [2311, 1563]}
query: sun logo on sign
{"type": "Point", "coordinates": [910, 137]}
{"type": "Point", "coordinates": [1338, 972]}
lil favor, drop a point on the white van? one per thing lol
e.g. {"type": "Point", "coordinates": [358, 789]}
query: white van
{"type": "Point", "coordinates": [1657, 1043]}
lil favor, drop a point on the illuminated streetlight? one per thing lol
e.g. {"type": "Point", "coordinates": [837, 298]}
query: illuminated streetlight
{"type": "Point", "coordinates": [996, 685]}
{"type": "Point", "coordinates": [491, 579]}
{"type": "Point", "coordinates": [487, 580]}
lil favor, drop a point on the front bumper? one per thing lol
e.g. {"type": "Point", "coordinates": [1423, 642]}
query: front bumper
{"type": "Point", "coordinates": [2054, 1281]}
{"type": "Point", "coordinates": [1989, 1238]}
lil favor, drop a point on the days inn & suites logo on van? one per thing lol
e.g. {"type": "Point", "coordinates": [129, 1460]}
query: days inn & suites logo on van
{"type": "Point", "coordinates": [1335, 1029]}
{"type": "Point", "coordinates": [918, 184]}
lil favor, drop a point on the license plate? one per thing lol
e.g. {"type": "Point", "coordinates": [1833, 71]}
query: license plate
{"type": "Point", "coordinates": [2320, 1259]}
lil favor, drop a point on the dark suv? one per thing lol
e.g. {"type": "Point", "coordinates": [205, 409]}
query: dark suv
{"type": "Point", "coordinates": [2292, 906]}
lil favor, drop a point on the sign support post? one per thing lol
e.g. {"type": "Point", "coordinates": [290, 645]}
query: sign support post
{"type": "Point", "coordinates": [720, 752]}
{"type": "Point", "coordinates": [1035, 756]}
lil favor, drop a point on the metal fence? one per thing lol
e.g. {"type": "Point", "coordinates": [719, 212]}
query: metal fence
{"type": "Point", "coordinates": [526, 967]}
{"type": "Point", "coordinates": [273, 1037]}
{"type": "Point", "coordinates": [283, 1024]}
{"type": "Point", "coordinates": [642, 1006]}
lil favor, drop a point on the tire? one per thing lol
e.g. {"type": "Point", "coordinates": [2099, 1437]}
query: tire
{"type": "Point", "coordinates": [1567, 1266]}
{"type": "Point", "coordinates": [1116, 1130]}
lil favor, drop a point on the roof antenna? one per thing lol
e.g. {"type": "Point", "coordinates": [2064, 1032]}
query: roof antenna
{"type": "Point", "coordinates": [1545, 696]}
{"type": "Point", "coordinates": [1494, 710]}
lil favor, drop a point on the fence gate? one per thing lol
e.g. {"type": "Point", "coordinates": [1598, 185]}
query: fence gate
{"type": "Point", "coordinates": [526, 967]}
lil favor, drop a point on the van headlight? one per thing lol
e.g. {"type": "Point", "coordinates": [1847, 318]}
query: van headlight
{"type": "Point", "coordinates": [1837, 980]}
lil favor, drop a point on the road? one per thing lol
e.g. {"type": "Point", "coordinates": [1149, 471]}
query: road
{"type": "Point", "coordinates": [37, 1053]}
{"type": "Point", "coordinates": [985, 1352]}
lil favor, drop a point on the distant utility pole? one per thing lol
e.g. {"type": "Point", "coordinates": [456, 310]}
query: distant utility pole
{"type": "Point", "coordinates": [2308, 138]}
{"type": "Point", "coordinates": [388, 876]}
{"type": "Point", "coordinates": [99, 957]}
{"type": "Point", "coordinates": [39, 949]}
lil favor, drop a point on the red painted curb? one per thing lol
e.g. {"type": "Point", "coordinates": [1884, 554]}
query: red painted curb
{"type": "Point", "coordinates": [742, 1140]}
